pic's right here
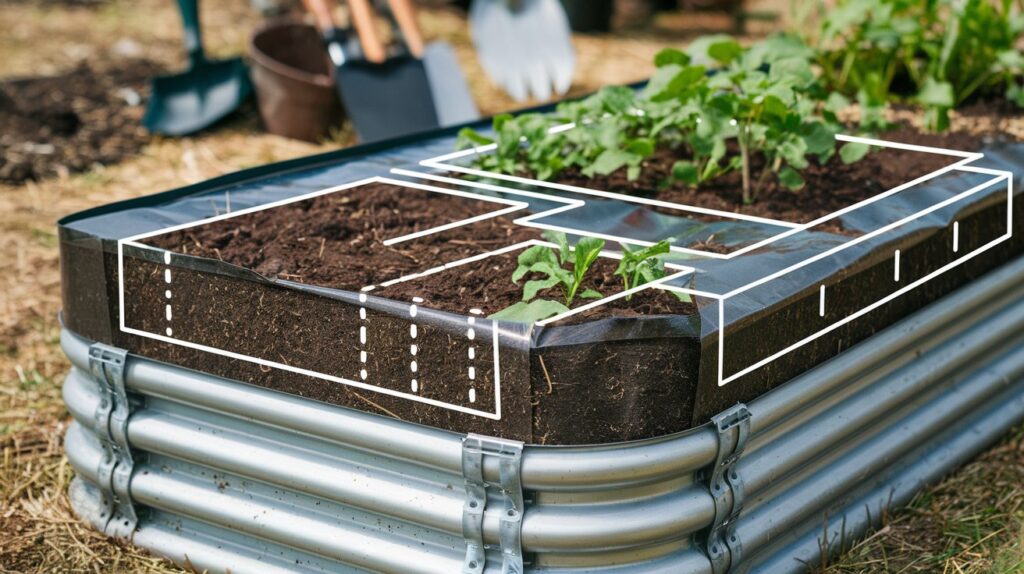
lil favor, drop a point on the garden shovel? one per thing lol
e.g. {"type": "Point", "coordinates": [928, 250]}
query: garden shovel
{"type": "Point", "coordinates": [384, 97]}
{"type": "Point", "coordinates": [525, 46]}
{"type": "Point", "coordinates": [186, 103]}
{"type": "Point", "coordinates": [452, 99]}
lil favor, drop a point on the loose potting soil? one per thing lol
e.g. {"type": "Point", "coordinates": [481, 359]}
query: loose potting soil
{"type": "Point", "coordinates": [71, 122]}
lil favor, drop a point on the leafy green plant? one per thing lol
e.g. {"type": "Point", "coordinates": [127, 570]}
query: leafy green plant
{"type": "Point", "coordinates": [764, 100]}
{"type": "Point", "coordinates": [938, 53]}
{"type": "Point", "coordinates": [564, 267]}
{"type": "Point", "coordinates": [775, 104]}
{"type": "Point", "coordinates": [641, 266]}
{"type": "Point", "coordinates": [975, 53]}
{"type": "Point", "coordinates": [612, 133]}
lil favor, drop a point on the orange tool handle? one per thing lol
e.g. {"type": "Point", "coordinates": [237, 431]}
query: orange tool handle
{"type": "Point", "coordinates": [321, 11]}
{"type": "Point", "coordinates": [405, 15]}
{"type": "Point", "coordinates": [365, 25]}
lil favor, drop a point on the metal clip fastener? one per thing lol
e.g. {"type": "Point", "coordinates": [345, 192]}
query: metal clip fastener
{"type": "Point", "coordinates": [726, 486]}
{"type": "Point", "coordinates": [476, 449]}
{"type": "Point", "coordinates": [106, 365]}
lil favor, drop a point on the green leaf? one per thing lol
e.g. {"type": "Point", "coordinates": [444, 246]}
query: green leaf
{"type": "Point", "coordinates": [725, 51]}
{"type": "Point", "coordinates": [818, 137]}
{"type": "Point", "coordinates": [611, 160]}
{"type": "Point", "coordinates": [794, 70]}
{"type": "Point", "coordinates": [836, 102]}
{"type": "Point", "coordinates": [852, 152]}
{"type": "Point", "coordinates": [530, 257]}
{"type": "Point", "coordinates": [684, 297]}
{"type": "Point", "coordinates": [559, 238]}
{"type": "Point", "coordinates": [523, 312]}
{"type": "Point", "coordinates": [469, 138]}
{"type": "Point", "coordinates": [587, 251]}
{"type": "Point", "coordinates": [935, 93]}
{"type": "Point", "coordinates": [591, 294]}
{"type": "Point", "coordinates": [641, 146]}
{"type": "Point", "coordinates": [685, 172]}
{"type": "Point", "coordinates": [531, 288]}
{"type": "Point", "coordinates": [790, 178]}
{"type": "Point", "coordinates": [671, 56]}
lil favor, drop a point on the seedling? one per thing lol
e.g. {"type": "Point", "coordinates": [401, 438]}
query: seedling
{"type": "Point", "coordinates": [565, 266]}
{"type": "Point", "coordinates": [641, 266]}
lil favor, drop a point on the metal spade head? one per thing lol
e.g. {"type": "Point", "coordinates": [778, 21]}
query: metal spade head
{"type": "Point", "coordinates": [185, 103]}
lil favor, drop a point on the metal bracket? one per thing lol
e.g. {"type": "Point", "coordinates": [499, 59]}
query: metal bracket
{"type": "Point", "coordinates": [476, 449]}
{"type": "Point", "coordinates": [106, 364]}
{"type": "Point", "coordinates": [726, 487]}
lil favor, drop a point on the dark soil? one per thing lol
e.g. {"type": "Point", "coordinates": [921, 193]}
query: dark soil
{"type": "Point", "coordinates": [69, 123]}
{"type": "Point", "coordinates": [336, 240]}
{"type": "Point", "coordinates": [829, 187]}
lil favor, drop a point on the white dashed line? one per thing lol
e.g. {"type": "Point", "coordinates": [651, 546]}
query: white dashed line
{"type": "Point", "coordinates": [471, 370]}
{"type": "Point", "coordinates": [168, 313]}
{"type": "Point", "coordinates": [413, 348]}
{"type": "Point", "coordinates": [362, 337]}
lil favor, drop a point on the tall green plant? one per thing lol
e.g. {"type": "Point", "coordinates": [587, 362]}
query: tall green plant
{"type": "Point", "coordinates": [938, 53]}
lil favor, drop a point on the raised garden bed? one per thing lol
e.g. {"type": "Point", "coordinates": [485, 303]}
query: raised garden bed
{"type": "Point", "coordinates": [638, 260]}
{"type": "Point", "coordinates": [317, 294]}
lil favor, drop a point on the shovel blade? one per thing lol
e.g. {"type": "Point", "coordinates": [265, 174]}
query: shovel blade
{"type": "Point", "coordinates": [387, 100]}
{"type": "Point", "coordinates": [186, 103]}
{"type": "Point", "coordinates": [452, 99]}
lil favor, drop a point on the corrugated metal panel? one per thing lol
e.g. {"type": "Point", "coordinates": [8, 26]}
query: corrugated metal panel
{"type": "Point", "coordinates": [253, 480]}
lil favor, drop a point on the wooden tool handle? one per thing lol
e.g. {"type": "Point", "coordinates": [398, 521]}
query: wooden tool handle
{"type": "Point", "coordinates": [366, 28]}
{"type": "Point", "coordinates": [405, 15]}
{"type": "Point", "coordinates": [321, 11]}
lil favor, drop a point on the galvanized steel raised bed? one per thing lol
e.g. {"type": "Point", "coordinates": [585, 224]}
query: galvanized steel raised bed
{"type": "Point", "coordinates": [227, 476]}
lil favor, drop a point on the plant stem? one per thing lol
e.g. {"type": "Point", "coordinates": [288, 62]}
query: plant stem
{"type": "Point", "coordinates": [745, 160]}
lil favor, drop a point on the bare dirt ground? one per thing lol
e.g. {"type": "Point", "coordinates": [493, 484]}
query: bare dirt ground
{"type": "Point", "coordinates": [973, 522]}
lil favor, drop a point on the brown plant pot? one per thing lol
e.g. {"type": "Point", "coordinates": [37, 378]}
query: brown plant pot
{"type": "Point", "coordinates": [294, 80]}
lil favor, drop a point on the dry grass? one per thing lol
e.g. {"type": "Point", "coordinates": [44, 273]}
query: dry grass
{"type": "Point", "coordinates": [971, 523]}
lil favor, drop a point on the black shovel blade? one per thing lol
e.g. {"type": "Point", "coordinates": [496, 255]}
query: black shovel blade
{"type": "Point", "coordinates": [186, 103]}
{"type": "Point", "coordinates": [387, 100]}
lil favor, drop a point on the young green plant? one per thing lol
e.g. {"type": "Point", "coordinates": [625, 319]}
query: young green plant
{"type": "Point", "coordinates": [565, 267]}
{"type": "Point", "coordinates": [641, 266]}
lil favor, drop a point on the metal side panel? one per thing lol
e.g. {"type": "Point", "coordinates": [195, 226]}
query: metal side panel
{"type": "Point", "coordinates": [241, 477]}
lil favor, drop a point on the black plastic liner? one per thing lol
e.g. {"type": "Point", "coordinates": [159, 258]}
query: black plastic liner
{"type": "Point", "coordinates": [599, 381]}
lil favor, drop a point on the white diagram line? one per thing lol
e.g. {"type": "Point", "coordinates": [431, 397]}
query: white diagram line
{"type": "Point", "coordinates": [383, 390]}
{"type": "Point", "coordinates": [958, 166]}
{"type": "Point", "coordinates": [856, 315]}
{"type": "Point", "coordinates": [727, 215]}
{"type": "Point", "coordinates": [440, 163]}
{"type": "Point", "coordinates": [329, 190]}
{"type": "Point", "coordinates": [570, 204]}
{"type": "Point", "coordinates": [453, 225]}
{"type": "Point", "coordinates": [909, 147]}
{"type": "Point", "coordinates": [868, 236]}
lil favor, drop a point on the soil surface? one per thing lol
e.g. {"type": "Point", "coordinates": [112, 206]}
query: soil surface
{"type": "Point", "coordinates": [336, 240]}
{"type": "Point", "coordinates": [69, 123]}
{"type": "Point", "coordinates": [829, 187]}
